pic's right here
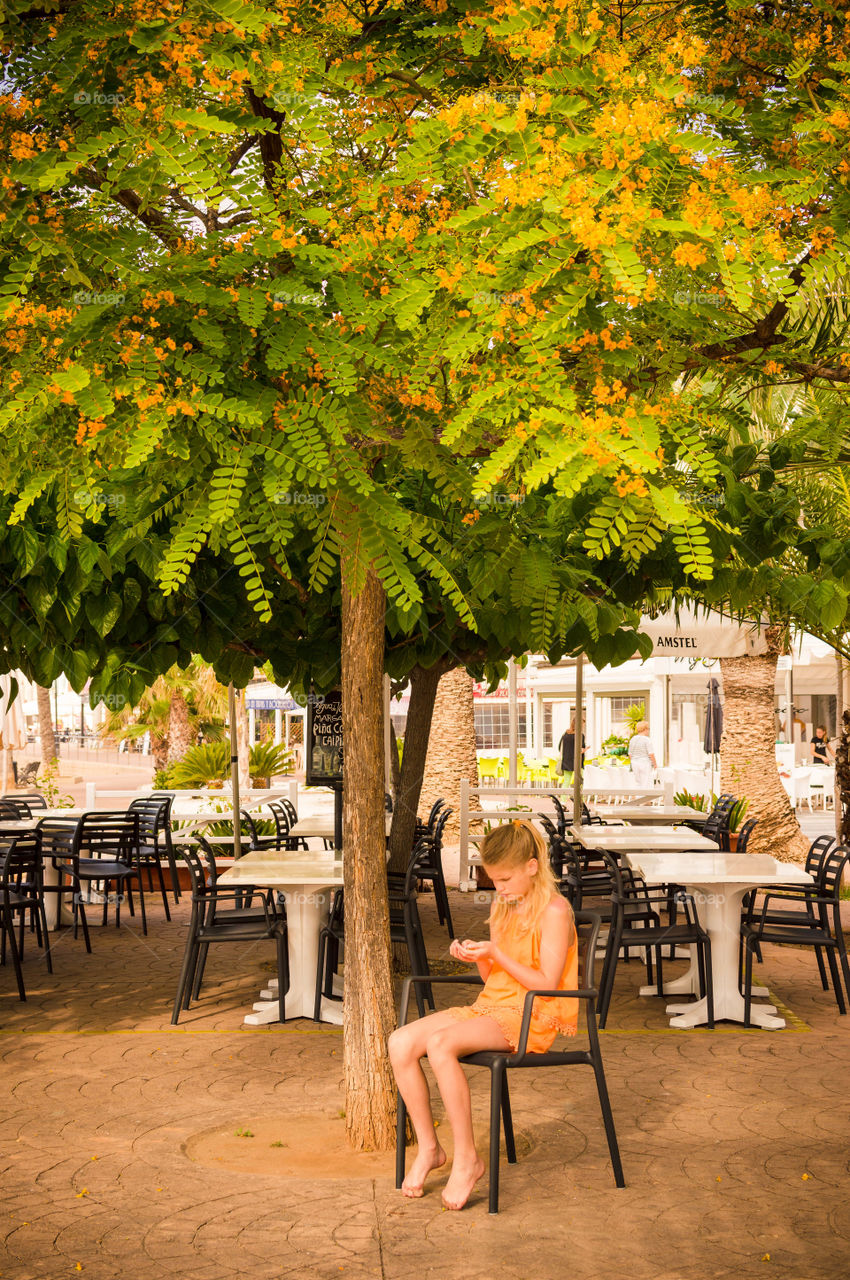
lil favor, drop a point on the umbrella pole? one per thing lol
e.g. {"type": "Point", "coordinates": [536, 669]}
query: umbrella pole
{"type": "Point", "coordinates": [577, 741]}
{"type": "Point", "coordinates": [234, 773]}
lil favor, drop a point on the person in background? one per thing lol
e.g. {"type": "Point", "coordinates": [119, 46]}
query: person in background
{"type": "Point", "coordinates": [567, 748]}
{"type": "Point", "coordinates": [822, 752]}
{"type": "Point", "coordinates": [642, 755]}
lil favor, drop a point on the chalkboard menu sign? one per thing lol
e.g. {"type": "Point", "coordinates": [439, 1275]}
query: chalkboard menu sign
{"type": "Point", "coordinates": [324, 740]}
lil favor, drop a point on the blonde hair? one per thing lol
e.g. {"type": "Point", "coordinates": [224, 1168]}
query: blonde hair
{"type": "Point", "coordinates": [512, 845]}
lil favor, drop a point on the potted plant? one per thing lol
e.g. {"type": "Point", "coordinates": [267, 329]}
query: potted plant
{"type": "Point", "coordinates": [736, 817]}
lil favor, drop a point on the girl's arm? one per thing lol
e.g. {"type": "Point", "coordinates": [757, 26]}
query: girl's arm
{"type": "Point", "coordinates": [556, 936]}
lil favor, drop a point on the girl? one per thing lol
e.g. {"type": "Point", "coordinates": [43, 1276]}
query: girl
{"type": "Point", "coordinates": [532, 945]}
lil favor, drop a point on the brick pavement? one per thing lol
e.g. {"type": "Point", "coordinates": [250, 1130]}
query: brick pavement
{"type": "Point", "coordinates": [734, 1142]}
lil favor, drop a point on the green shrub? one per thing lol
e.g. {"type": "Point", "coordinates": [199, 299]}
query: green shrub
{"type": "Point", "coordinates": [209, 763]}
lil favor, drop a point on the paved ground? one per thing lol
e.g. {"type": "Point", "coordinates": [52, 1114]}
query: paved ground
{"type": "Point", "coordinates": [734, 1142]}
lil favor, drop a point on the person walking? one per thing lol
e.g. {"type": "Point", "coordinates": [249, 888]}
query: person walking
{"type": "Point", "coordinates": [642, 755]}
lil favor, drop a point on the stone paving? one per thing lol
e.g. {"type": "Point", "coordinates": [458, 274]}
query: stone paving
{"type": "Point", "coordinates": [734, 1142]}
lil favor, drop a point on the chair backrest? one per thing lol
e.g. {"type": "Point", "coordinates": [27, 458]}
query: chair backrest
{"type": "Point", "coordinates": [111, 834]}
{"type": "Point", "coordinates": [831, 872]}
{"type": "Point", "coordinates": [440, 826]}
{"type": "Point", "coordinates": [21, 861]}
{"type": "Point", "coordinates": [282, 820]}
{"type": "Point", "coordinates": [153, 813]}
{"type": "Point", "coordinates": [14, 809]}
{"type": "Point", "coordinates": [388, 802]}
{"type": "Point", "coordinates": [202, 872]}
{"type": "Point", "coordinates": [58, 837]}
{"type": "Point", "coordinates": [548, 826]}
{"type": "Point", "coordinates": [34, 799]}
{"type": "Point", "coordinates": [817, 852]}
{"type": "Point", "coordinates": [587, 928]}
{"type": "Point", "coordinates": [289, 809]}
{"type": "Point", "coordinates": [560, 814]}
{"type": "Point", "coordinates": [744, 835]}
{"type": "Point", "coordinates": [435, 809]}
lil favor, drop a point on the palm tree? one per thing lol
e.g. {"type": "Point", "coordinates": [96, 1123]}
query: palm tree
{"type": "Point", "coordinates": [175, 710]}
{"type": "Point", "coordinates": [46, 731]}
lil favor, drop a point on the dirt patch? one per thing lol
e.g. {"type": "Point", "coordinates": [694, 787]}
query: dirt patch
{"type": "Point", "coordinates": [287, 1147]}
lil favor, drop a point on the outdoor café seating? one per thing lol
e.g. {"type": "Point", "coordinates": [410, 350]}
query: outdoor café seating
{"type": "Point", "coordinates": [22, 897]}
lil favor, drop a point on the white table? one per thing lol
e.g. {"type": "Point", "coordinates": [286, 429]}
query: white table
{"type": "Point", "coordinates": [663, 814]}
{"type": "Point", "coordinates": [718, 883]}
{"type": "Point", "coordinates": [635, 840]}
{"type": "Point", "coordinates": [306, 878]}
{"type": "Point", "coordinates": [322, 827]}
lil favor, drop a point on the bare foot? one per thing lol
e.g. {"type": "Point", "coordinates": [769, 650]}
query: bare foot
{"type": "Point", "coordinates": [425, 1161]}
{"type": "Point", "coordinates": [461, 1181]}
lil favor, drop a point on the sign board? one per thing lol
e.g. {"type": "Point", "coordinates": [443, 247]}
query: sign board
{"type": "Point", "coordinates": [273, 704]}
{"type": "Point", "coordinates": [324, 740]}
{"type": "Point", "coordinates": [705, 635]}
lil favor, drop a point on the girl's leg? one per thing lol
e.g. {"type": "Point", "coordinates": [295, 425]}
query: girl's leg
{"type": "Point", "coordinates": [445, 1047]}
{"type": "Point", "coordinates": [407, 1046]}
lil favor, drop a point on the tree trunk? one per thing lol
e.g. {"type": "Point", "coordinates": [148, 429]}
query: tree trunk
{"type": "Point", "coordinates": [747, 755]}
{"type": "Point", "coordinates": [423, 693]}
{"type": "Point", "coordinates": [159, 751]}
{"type": "Point", "coordinates": [842, 781]}
{"type": "Point", "coordinates": [451, 750]}
{"type": "Point", "coordinates": [243, 749]}
{"type": "Point", "coordinates": [181, 735]}
{"type": "Point", "coordinates": [369, 1012]}
{"type": "Point", "coordinates": [46, 732]}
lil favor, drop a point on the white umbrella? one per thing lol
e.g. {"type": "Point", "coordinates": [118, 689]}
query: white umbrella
{"type": "Point", "coordinates": [13, 730]}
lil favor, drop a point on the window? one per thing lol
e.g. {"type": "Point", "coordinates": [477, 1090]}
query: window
{"type": "Point", "coordinates": [492, 731]}
{"type": "Point", "coordinates": [617, 708]}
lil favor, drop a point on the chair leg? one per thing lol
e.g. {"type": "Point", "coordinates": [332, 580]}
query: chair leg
{"type": "Point", "coordinates": [508, 1121]}
{"type": "Point", "coordinates": [185, 975]}
{"type": "Point", "coordinates": [400, 1141]}
{"type": "Point", "coordinates": [607, 1116]}
{"type": "Point", "coordinates": [9, 926]}
{"type": "Point", "coordinates": [837, 985]}
{"type": "Point", "coordinates": [162, 889]}
{"type": "Point", "coordinates": [821, 968]}
{"type": "Point", "coordinates": [497, 1084]}
{"type": "Point", "coordinates": [320, 974]}
{"type": "Point", "coordinates": [748, 981]}
{"type": "Point", "coordinates": [142, 906]}
{"type": "Point", "coordinates": [709, 983]}
{"type": "Point", "coordinates": [200, 965]}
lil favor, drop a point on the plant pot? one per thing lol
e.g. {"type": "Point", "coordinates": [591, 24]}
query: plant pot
{"type": "Point", "coordinates": [733, 841]}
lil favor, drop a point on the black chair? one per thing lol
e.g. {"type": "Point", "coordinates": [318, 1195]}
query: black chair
{"type": "Point", "coordinates": [426, 828]}
{"type": "Point", "coordinates": [813, 930]}
{"type": "Point", "coordinates": [102, 848]}
{"type": "Point", "coordinates": [561, 821]}
{"type": "Point", "coordinates": [15, 808]}
{"type": "Point", "coordinates": [285, 817]}
{"type": "Point", "coordinates": [428, 852]}
{"type": "Point", "coordinates": [34, 799]}
{"type": "Point", "coordinates": [388, 802]}
{"type": "Point", "coordinates": [29, 773]}
{"type": "Point", "coordinates": [744, 835]}
{"type": "Point", "coordinates": [499, 1063]}
{"type": "Point", "coordinates": [405, 928]}
{"type": "Point", "coordinates": [651, 936]}
{"type": "Point", "coordinates": [22, 894]}
{"type": "Point", "coordinates": [154, 814]}
{"type": "Point", "coordinates": [237, 923]}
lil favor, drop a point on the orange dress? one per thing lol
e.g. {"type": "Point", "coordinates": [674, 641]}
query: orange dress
{"type": "Point", "coordinates": [503, 997]}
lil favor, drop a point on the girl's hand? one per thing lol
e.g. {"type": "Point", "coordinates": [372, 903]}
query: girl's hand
{"type": "Point", "coordinates": [479, 950]}
{"type": "Point", "coordinates": [461, 950]}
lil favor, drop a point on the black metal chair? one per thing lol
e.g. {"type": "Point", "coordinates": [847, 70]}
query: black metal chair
{"type": "Point", "coordinates": [21, 894]}
{"type": "Point", "coordinates": [15, 808]}
{"type": "Point", "coordinates": [237, 923]}
{"type": "Point", "coordinates": [813, 930]}
{"type": "Point", "coordinates": [500, 1063]}
{"type": "Point", "coordinates": [744, 835]}
{"type": "Point", "coordinates": [34, 799]}
{"type": "Point", "coordinates": [405, 928]}
{"type": "Point", "coordinates": [651, 936]}
{"type": "Point", "coordinates": [154, 814]}
{"type": "Point", "coordinates": [426, 828]}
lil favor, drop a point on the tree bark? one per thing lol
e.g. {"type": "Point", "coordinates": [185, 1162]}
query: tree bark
{"type": "Point", "coordinates": [369, 1013]}
{"type": "Point", "coordinates": [451, 750]}
{"type": "Point", "coordinates": [842, 781]}
{"type": "Point", "coordinates": [46, 731]}
{"type": "Point", "coordinates": [181, 735]}
{"type": "Point", "coordinates": [747, 755]}
{"type": "Point", "coordinates": [243, 749]}
{"type": "Point", "coordinates": [417, 732]}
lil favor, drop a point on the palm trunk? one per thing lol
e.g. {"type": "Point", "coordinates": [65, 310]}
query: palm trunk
{"type": "Point", "coordinates": [423, 694]}
{"type": "Point", "coordinates": [46, 731]}
{"type": "Point", "coordinates": [181, 735]}
{"type": "Point", "coordinates": [369, 1013]}
{"type": "Point", "coordinates": [159, 751]}
{"type": "Point", "coordinates": [451, 750]}
{"type": "Point", "coordinates": [747, 755]}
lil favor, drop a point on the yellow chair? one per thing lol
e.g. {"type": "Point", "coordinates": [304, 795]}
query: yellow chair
{"type": "Point", "coordinates": [487, 768]}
